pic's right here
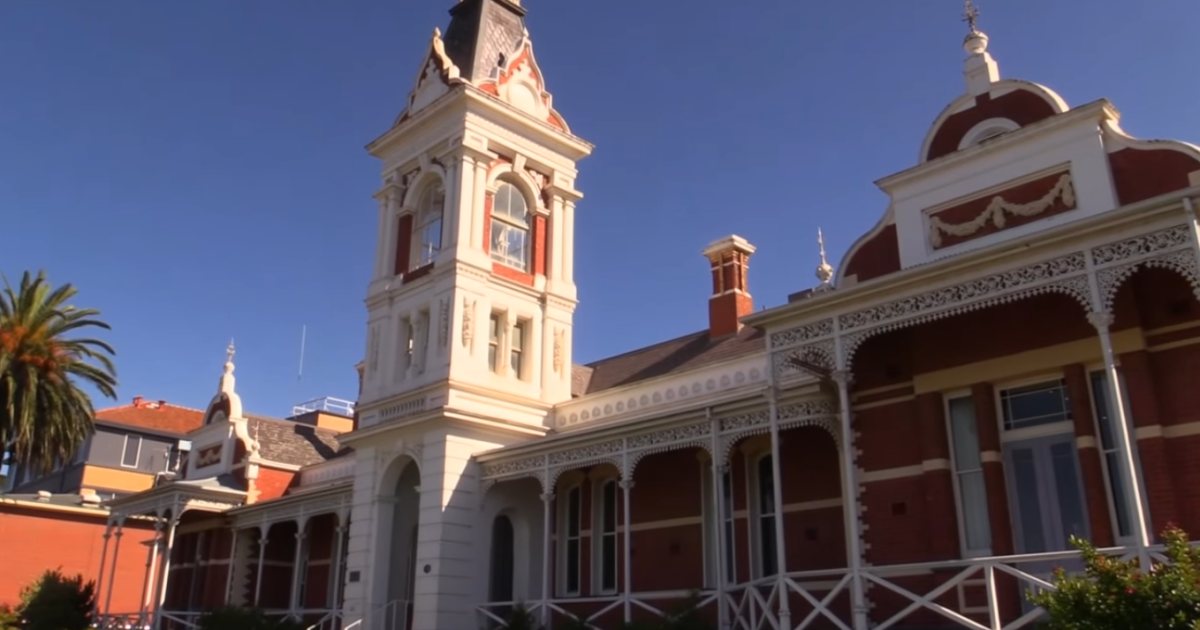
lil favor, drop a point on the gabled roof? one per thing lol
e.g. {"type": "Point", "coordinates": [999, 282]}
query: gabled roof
{"type": "Point", "coordinates": [154, 416]}
{"type": "Point", "coordinates": [676, 355]}
{"type": "Point", "coordinates": [292, 443]}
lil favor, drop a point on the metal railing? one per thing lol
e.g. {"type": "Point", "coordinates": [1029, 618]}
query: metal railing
{"type": "Point", "coordinates": [123, 621]}
{"type": "Point", "coordinates": [339, 406]}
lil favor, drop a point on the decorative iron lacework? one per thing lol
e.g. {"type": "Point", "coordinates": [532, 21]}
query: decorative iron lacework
{"type": "Point", "coordinates": [514, 467]}
{"type": "Point", "coordinates": [1142, 245]}
{"type": "Point", "coordinates": [744, 421]}
{"type": "Point", "coordinates": [669, 435]}
{"type": "Point", "coordinates": [600, 451]}
{"type": "Point", "coordinates": [818, 354]}
{"type": "Point", "coordinates": [988, 286]}
{"type": "Point", "coordinates": [799, 334]}
{"type": "Point", "coordinates": [1182, 261]}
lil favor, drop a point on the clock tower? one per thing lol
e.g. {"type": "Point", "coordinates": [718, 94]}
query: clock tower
{"type": "Point", "coordinates": [470, 305]}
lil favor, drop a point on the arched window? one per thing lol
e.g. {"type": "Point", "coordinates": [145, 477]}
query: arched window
{"type": "Point", "coordinates": [510, 227]}
{"type": "Point", "coordinates": [427, 230]}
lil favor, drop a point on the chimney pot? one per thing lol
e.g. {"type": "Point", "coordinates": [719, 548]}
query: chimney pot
{"type": "Point", "coordinates": [137, 401]}
{"type": "Point", "coordinates": [729, 258]}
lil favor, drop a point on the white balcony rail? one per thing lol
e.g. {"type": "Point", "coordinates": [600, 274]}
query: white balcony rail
{"type": "Point", "coordinates": [822, 598]}
{"type": "Point", "coordinates": [657, 603]}
{"type": "Point", "coordinates": [330, 404]}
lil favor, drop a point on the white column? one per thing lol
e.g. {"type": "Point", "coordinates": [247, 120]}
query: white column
{"type": "Point", "coordinates": [858, 605]}
{"type": "Point", "coordinates": [626, 487]}
{"type": "Point", "coordinates": [1102, 320]}
{"type": "Point", "coordinates": [262, 553]}
{"type": "Point", "coordinates": [547, 507]}
{"type": "Point", "coordinates": [554, 269]}
{"type": "Point", "coordinates": [151, 566]}
{"type": "Point", "coordinates": [785, 611]}
{"type": "Point", "coordinates": [297, 570]}
{"type": "Point", "coordinates": [333, 599]}
{"type": "Point", "coordinates": [718, 524]}
{"type": "Point", "coordinates": [567, 240]}
{"type": "Point", "coordinates": [474, 206]}
{"type": "Point", "coordinates": [168, 545]}
{"type": "Point", "coordinates": [383, 237]}
{"type": "Point", "coordinates": [112, 571]}
{"type": "Point", "coordinates": [108, 527]}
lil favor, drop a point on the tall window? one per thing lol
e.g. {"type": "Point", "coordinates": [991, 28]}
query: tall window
{"type": "Point", "coordinates": [1106, 423]}
{"type": "Point", "coordinates": [494, 326]}
{"type": "Point", "coordinates": [427, 231]}
{"type": "Point", "coordinates": [132, 452]}
{"type": "Point", "coordinates": [1034, 405]}
{"type": "Point", "coordinates": [766, 517]}
{"type": "Point", "coordinates": [572, 541]}
{"type": "Point", "coordinates": [516, 349]}
{"type": "Point", "coordinates": [727, 528]}
{"type": "Point", "coordinates": [968, 477]}
{"type": "Point", "coordinates": [607, 528]}
{"type": "Point", "coordinates": [510, 227]}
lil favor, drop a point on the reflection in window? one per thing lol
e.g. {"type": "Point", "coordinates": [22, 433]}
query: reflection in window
{"type": "Point", "coordinates": [1033, 405]}
{"type": "Point", "coordinates": [427, 231]}
{"type": "Point", "coordinates": [510, 228]}
{"type": "Point", "coordinates": [766, 517]}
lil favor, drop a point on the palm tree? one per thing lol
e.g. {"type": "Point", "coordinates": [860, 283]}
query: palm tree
{"type": "Point", "coordinates": [44, 415]}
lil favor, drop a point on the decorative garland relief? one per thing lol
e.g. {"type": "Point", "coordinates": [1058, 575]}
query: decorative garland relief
{"type": "Point", "coordinates": [998, 208]}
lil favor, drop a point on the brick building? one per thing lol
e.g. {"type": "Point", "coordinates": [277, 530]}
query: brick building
{"type": "Point", "coordinates": [1003, 361]}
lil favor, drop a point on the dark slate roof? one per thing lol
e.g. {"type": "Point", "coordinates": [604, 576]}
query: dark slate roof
{"type": "Point", "coordinates": [677, 355]}
{"type": "Point", "coordinates": [480, 32]}
{"type": "Point", "coordinates": [289, 442]}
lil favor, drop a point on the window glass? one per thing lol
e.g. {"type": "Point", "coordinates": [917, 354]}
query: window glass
{"type": "Point", "coordinates": [766, 516]}
{"type": "Point", "coordinates": [1106, 427]}
{"type": "Point", "coordinates": [133, 448]}
{"type": "Point", "coordinates": [608, 537]}
{"type": "Point", "coordinates": [730, 547]}
{"type": "Point", "coordinates": [968, 474]}
{"type": "Point", "coordinates": [572, 540]}
{"type": "Point", "coordinates": [494, 342]}
{"type": "Point", "coordinates": [1033, 405]}
{"type": "Point", "coordinates": [427, 232]}
{"type": "Point", "coordinates": [510, 228]}
{"type": "Point", "coordinates": [516, 347]}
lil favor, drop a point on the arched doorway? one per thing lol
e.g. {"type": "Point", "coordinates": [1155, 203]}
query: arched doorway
{"type": "Point", "coordinates": [500, 582]}
{"type": "Point", "coordinates": [399, 510]}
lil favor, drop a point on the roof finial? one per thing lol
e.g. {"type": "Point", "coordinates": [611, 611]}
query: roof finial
{"type": "Point", "coordinates": [971, 15]}
{"type": "Point", "coordinates": [824, 270]}
{"type": "Point", "coordinates": [229, 352]}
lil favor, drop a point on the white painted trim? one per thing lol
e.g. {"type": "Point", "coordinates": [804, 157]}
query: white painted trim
{"type": "Point", "coordinates": [1085, 441]}
{"type": "Point", "coordinates": [888, 474]}
{"type": "Point", "coordinates": [990, 457]}
{"type": "Point", "coordinates": [807, 506]}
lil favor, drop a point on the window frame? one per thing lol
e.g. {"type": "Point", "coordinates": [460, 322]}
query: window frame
{"type": "Point", "coordinates": [507, 221]}
{"type": "Point", "coordinates": [761, 544]}
{"type": "Point", "coordinates": [1113, 477]}
{"type": "Point", "coordinates": [496, 325]}
{"type": "Point", "coordinates": [955, 474]}
{"type": "Point", "coordinates": [599, 534]}
{"type": "Point", "coordinates": [424, 218]}
{"type": "Point", "coordinates": [567, 538]}
{"type": "Point", "coordinates": [137, 458]}
{"type": "Point", "coordinates": [518, 348]}
{"type": "Point", "coordinates": [1036, 430]}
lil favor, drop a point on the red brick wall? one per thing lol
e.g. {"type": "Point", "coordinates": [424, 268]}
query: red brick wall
{"type": "Point", "coordinates": [76, 548]}
{"type": "Point", "coordinates": [273, 483]}
{"type": "Point", "coordinates": [1020, 106]}
{"type": "Point", "coordinates": [879, 256]}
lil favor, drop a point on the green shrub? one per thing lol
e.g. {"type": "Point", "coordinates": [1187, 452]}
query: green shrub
{"type": "Point", "coordinates": [57, 602]}
{"type": "Point", "coordinates": [8, 618]}
{"type": "Point", "coordinates": [236, 618]}
{"type": "Point", "coordinates": [1112, 593]}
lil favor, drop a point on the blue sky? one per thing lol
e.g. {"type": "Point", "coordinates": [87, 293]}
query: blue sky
{"type": "Point", "coordinates": [196, 168]}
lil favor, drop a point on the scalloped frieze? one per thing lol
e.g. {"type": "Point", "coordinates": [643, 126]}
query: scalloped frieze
{"type": "Point", "coordinates": [1182, 261]}
{"type": "Point", "coordinates": [514, 467]}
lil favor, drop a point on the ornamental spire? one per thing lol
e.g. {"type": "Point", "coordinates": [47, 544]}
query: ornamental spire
{"type": "Point", "coordinates": [981, 70]}
{"type": "Point", "coordinates": [824, 269]}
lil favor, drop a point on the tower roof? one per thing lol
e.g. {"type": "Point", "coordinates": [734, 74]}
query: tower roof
{"type": "Point", "coordinates": [481, 34]}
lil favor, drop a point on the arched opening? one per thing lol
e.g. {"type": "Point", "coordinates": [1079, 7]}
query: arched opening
{"type": "Point", "coordinates": [427, 228]}
{"type": "Point", "coordinates": [396, 547]}
{"type": "Point", "coordinates": [500, 582]}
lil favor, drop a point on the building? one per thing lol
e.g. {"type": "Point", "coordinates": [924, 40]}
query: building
{"type": "Point", "coordinates": [130, 446]}
{"type": "Point", "coordinates": [1003, 361]}
{"type": "Point", "coordinates": [40, 532]}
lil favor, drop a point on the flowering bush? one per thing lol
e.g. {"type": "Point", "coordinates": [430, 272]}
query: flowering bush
{"type": "Point", "coordinates": [1112, 593]}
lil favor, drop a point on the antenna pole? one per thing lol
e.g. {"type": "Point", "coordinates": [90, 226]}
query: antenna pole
{"type": "Point", "coordinates": [303, 335]}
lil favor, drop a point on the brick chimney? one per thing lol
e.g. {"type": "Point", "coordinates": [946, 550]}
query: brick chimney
{"type": "Point", "coordinates": [730, 301]}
